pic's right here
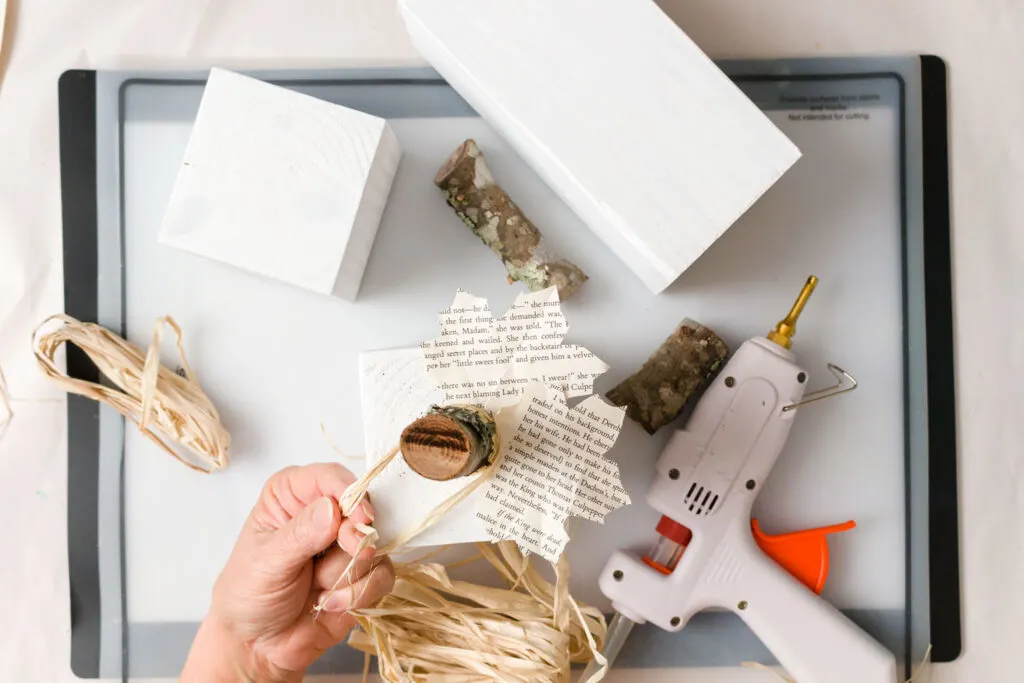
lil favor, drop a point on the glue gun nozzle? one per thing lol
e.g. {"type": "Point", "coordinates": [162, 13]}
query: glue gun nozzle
{"type": "Point", "coordinates": [784, 331]}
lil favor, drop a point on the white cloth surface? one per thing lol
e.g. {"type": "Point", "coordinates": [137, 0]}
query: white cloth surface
{"type": "Point", "coordinates": [979, 40]}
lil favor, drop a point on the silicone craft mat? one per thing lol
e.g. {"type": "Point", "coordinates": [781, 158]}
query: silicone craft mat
{"type": "Point", "coordinates": [866, 209]}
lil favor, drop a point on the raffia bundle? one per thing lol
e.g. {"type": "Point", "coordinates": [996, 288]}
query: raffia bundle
{"type": "Point", "coordinates": [166, 407]}
{"type": "Point", "coordinates": [435, 629]}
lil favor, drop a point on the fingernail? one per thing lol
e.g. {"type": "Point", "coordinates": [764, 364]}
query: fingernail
{"type": "Point", "coordinates": [335, 602]}
{"type": "Point", "coordinates": [367, 510]}
{"type": "Point", "coordinates": [323, 515]}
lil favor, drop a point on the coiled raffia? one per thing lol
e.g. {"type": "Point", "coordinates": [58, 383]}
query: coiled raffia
{"type": "Point", "coordinates": [168, 408]}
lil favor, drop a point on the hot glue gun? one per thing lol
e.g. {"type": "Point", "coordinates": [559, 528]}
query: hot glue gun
{"type": "Point", "coordinates": [706, 555]}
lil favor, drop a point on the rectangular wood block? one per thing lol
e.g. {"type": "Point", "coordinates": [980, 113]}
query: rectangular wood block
{"type": "Point", "coordinates": [618, 110]}
{"type": "Point", "coordinates": [282, 184]}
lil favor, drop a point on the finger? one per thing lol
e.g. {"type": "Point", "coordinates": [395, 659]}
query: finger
{"type": "Point", "coordinates": [290, 491]}
{"type": "Point", "coordinates": [311, 635]}
{"type": "Point", "coordinates": [363, 513]}
{"type": "Point", "coordinates": [310, 532]}
{"type": "Point", "coordinates": [335, 562]}
{"type": "Point", "coordinates": [365, 592]}
{"type": "Point", "coordinates": [330, 628]}
{"type": "Point", "coordinates": [350, 538]}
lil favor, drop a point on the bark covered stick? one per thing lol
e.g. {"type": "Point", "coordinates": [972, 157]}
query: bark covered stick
{"type": "Point", "coordinates": [491, 214]}
{"type": "Point", "coordinates": [682, 366]}
{"type": "Point", "coordinates": [450, 442]}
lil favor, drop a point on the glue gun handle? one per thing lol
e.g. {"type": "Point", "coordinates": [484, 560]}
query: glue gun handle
{"type": "Point", "coordinates": [813, 641]}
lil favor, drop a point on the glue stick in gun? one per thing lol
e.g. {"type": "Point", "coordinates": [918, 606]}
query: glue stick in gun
{"type": "Point", "coordinates": [706, 556]}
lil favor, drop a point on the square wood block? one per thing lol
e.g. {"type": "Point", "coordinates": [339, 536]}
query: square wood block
{"type": "Point", "coordinates": [282, 184]}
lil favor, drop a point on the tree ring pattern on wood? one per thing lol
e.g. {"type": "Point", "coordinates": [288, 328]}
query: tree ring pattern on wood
{"type": "Point", "coordinates": [449, 442]}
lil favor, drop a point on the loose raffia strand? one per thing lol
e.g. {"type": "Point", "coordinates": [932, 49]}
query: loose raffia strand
{"type": "Point", "coordinates": [168, 408]}
{"type": "Point", "coordinates": [924, 666]}
{"type": "Point", "coordinates": [432, 628]}
{"type": "Point", "coordinates": [356, 492]}
{"type": "Point", "coordinates": [369, 540]}
{"type": "Point", "coordinates": [334, 446]}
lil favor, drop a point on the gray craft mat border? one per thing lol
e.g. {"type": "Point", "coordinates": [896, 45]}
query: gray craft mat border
{"type": "Point", "coordinates": [158, 649]}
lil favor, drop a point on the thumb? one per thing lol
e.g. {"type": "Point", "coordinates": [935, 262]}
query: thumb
{"type": "Point", "coordinates": [311, 531]}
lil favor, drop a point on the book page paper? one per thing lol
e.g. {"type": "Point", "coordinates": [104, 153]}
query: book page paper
{"type": "Point", "coordinates": [488, 361]}
{"type": "Point", "coordinates": [550, 453]}
{"type": "Point", "coordinates": [553, 467]}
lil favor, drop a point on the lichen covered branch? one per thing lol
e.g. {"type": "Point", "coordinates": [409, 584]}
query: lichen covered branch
{"type": "Point", "coordinates": [491, 214]}
{"type": "Point", "coordinates": [676, 371]}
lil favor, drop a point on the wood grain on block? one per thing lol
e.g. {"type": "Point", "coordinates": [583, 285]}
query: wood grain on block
{"type": "Point", "coordinates": [679, 369]}
{"type": "Point", "coordinates": [490, 213]}
{"type": "Point", "coordinates": [449, 442]}
{"type": "Point", "coordinates": [282, 184]}
{"type": "Point", "coordinates": [618, 110]}
{"type": "Point", "coordinates": [395, 391]}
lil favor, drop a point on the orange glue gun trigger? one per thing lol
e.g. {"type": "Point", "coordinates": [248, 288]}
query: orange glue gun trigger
{"type": "Point", "coordinates": [804, 554]}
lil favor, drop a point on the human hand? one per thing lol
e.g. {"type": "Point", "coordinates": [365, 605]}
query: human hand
{"type": "Point", "coordinates": [261, 627]}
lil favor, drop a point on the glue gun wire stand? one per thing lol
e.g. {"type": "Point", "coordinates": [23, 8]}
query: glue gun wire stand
{"type": "Point", "coordinates": [706, 556]}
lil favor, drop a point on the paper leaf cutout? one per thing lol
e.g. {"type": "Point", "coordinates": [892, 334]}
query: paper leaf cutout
{"type": "Point", "coordinates": [553, 466]}
{"type": "Point", "coordinates": [488, 361]}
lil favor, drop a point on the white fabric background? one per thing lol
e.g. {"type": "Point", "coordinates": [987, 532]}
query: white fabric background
{"type": "Point", "coordinates": [980, 41]}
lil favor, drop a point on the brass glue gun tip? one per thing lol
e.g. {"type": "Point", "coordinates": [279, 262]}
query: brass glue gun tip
{"type": "Point", "coordinates": [784, 331]}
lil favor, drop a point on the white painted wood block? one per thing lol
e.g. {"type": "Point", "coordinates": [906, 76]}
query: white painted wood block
{"type": "Point", "coordinates": [618, 110]}
{"type": "Point", "coordinates": [282, 184]}
{"type": "Point", "coordinates": [395, 390]}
